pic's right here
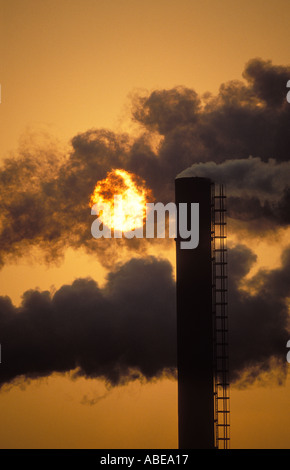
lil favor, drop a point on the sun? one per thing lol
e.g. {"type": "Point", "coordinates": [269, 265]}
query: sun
{"type": "Point", "coordinates": [123, 197]}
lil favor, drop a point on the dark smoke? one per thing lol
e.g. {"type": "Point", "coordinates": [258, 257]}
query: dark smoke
{"type": "Point", "coordinates": [45, 198]}
{"type": "Point", "coordinates": [115, 333]}
{"type": "Point", "coordinates": [258, 191]}
{"type": "Point", "coordinates": [127, 330]}
{"type": "Point", "coordinates": [259, 320]}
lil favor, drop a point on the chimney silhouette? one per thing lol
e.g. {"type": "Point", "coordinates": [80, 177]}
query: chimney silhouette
{"type": "Point", "coordinates": [195, 323]}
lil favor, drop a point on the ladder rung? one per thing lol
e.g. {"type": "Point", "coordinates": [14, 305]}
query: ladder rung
{"type": "Point", "coordinates": [222, 411]}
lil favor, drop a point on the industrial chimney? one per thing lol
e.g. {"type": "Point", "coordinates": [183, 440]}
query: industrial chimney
{"type": "Point", "coordinates": [202, 359]}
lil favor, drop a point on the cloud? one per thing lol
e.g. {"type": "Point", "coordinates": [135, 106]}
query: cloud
{"type": "Point", "coordinates": [240, 136]}
{"type": "Point", "coordinates": [255, 189]}
{"type": "Point", "coordinates": [251, 176]}
{"type": "Point", "coordinates": [45, 201]}
{"type": "Point", "coordinates": [267, 81]}
{"type": "Point", "coordinates": [258, 316]}
{"type": "Point", "coordinates": [117, 333]}
{"type": "Point", "coordinates": [164, 110]}
{"type": "Point", "coordinates": [45, 195]}
{"type": "Point", "coordinates": [249, 117]}
{"type": "Point", "coordinates": [127, 329]}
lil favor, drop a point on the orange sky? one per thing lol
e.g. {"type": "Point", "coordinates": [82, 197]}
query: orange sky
{"type": "Point", "coordinates": [68, 66]}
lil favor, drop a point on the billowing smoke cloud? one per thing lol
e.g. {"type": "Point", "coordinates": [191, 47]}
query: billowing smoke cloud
{"type": "Point", "coordinates": [127, 329]}
{"type": "Point", "coordinates": [248, 117]}
{"type": "Point", "coordinates": [45, 198]}
{"type": "Point", "coordinates": [256, 190]}
{"type": "Point", "coordinates": [115, 333]}
{"type": "Point", "coordinates": [258, 317]}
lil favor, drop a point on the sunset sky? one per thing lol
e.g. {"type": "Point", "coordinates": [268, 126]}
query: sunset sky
{"type": "Point", "coordinates": [153, 87]}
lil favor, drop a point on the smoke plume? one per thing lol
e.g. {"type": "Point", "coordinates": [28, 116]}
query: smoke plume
{"type": "Point", "coordinates": [45, 197]}
{"type": "Point", "coordinates": [256, 190]}
{"type": "Point", "coordinates": [127, 330]}
{"type": "Point", "coordinates": [116, 333]}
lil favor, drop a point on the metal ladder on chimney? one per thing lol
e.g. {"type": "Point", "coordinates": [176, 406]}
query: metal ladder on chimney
{"type": "Point", "coordinates": [220, 317]}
